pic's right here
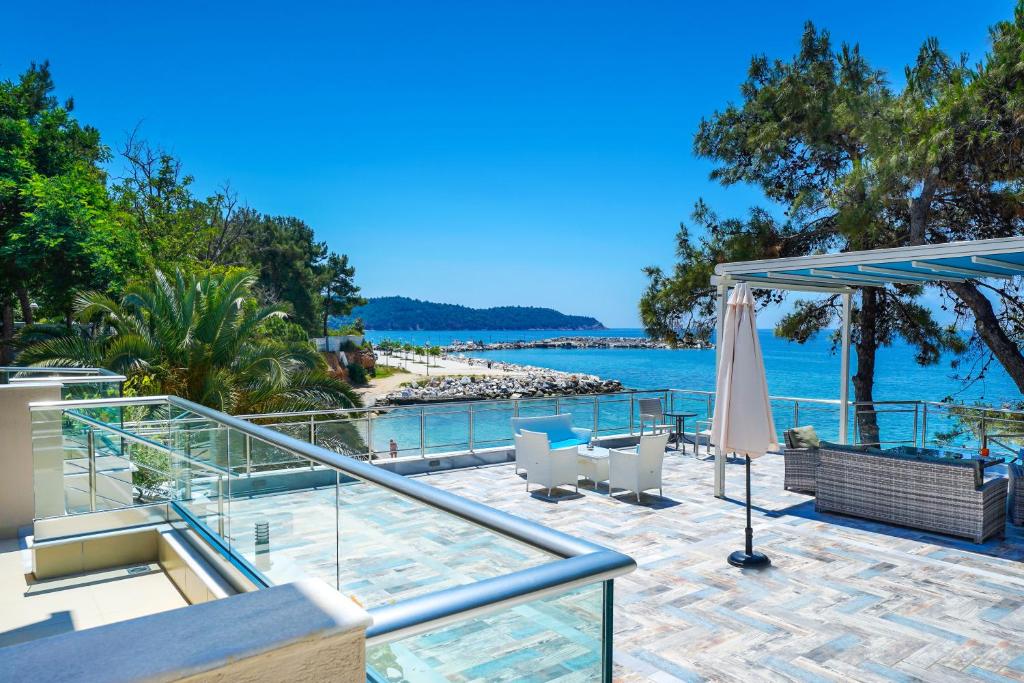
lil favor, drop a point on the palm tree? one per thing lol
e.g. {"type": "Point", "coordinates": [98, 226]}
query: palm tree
{"type": "Point", "coordinates": [204, 338]}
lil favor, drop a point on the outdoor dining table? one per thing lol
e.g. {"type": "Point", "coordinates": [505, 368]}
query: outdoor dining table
{"type": "Point", "coordinates": [680, 420]}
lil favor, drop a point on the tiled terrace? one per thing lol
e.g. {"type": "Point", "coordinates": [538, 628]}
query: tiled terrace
{"type": "Point", "coordinates": [845, 599]}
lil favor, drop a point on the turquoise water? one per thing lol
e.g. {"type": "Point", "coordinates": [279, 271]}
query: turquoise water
{"type": "Point", "coordinates": [809, 370]}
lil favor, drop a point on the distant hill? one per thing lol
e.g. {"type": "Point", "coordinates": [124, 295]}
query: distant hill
{"type": "Point", "coordinates": [403, 313]}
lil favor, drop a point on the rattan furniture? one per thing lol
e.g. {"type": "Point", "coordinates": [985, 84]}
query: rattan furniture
{"type": "Point", "coordinates": [801, 469]}
{"type": "Point", "coordinates": [801, 466]}
{"type": "Point", "coordinates": [1017, 493]}
{"type": "Point", "coordinates": [933, 494]}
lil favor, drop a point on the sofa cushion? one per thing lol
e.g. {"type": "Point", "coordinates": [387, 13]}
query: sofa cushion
{"type": "Point", "coordinates": [565, 443]}
{"type": "Point", "coordinates": [804, 437]}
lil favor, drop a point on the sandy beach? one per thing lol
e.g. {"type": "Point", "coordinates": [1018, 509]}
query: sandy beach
{"type": "Point", "coordinates": [416, 368]}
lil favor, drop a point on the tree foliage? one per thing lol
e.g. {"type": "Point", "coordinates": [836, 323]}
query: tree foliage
{"type": "Point", "coordinates": [204, 338]}
{"type": "Point", "coordinates": [852, 163]}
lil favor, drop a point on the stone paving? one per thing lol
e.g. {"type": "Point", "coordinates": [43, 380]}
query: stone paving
{"type": "Point", "coordinates": [845, 599]}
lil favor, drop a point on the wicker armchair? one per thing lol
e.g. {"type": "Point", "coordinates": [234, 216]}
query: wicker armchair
{"type": "Point", "coordinates": [932, 494]}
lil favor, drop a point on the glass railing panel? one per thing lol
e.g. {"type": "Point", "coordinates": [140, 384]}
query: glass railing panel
{"type": "Point", "coordinates": [446, 429]}
{"type": "Point", "coordinates": [536, 407]}
{"type": "Point", "coordinates": [613, 415]}
{"type": "Point", "coordinates": [344, 436]}
{"type": "Point", "coordinates": [492, 424]}
{"type": "Point", "coordinates": [401, 425]}
{"type": "Point", "coordinates": [551, 639]}
{"type": "Point", "coordinates": [581, 409]}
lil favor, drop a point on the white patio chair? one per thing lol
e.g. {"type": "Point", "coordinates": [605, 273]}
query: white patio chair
{"type": "Point", "coordinates": [651, 411]}
{"type": "Point", "coordinates": [637, 470]}
{"type": "Point", "coordinates": [544, 466]}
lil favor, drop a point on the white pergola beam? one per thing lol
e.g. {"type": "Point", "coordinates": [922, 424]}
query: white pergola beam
{"type": "Point", "coordinates": [760, 282]}
{"type": "Point", "coordinates": [905, 277]}
{"type": "Point", "coordinates": [1005, 265]}
{"type": "Point", "coordinates": [974, 272]}
{"type": "Point", "coordinates": [866, 280]}
{"type": "Point", "coordinates": [829, 281]}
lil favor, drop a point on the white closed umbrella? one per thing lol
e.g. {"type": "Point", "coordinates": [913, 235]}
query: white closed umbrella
{"type": "Point", "coordinates": [743, 421]}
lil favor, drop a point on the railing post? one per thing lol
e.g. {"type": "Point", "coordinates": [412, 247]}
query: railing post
{"type": "Point", "coordinates": [707, 409]}
{"type": "Point", "coordinates": [796, 414]}
{"type": "Point", "coordinates": [371, 452]}
{"type": "Point", "coordinates": [423, 443]}
{"type": "Point", "coordinates": [984, 429]}
{"type": "Point", "coordinates": [631, 414]}
{"type": "Point", "coordinates": [515, 408]}
{"type": "Point", "coordinates": [247, 447]}
{"type": "Point", "coordinates": [90, 440]}
{"type": "Point", "coordinates": [220, 505]}
{"type": "Point", "coordinates": [557, 404]}
{"type": "Point", "coordinates": [470, 427]}
{"type": "Point", "coordinates": [916, 406]}
{"type": "Point", "coordinates": [312, 437]}
{"type": "Point", "coordinates": [924, 425]}
{"type": "Point", "coordinates": [596, 416]}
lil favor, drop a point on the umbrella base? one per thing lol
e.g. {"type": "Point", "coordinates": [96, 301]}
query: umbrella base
{"type": "Point", "coordinates": [754, 560]}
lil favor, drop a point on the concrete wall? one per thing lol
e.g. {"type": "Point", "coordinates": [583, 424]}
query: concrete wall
{"type": "Point", "coordinates": [303, 631]}
{"type": "Point", "coordinates": [16, 463]}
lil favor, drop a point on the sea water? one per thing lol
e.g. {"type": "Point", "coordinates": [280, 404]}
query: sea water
{"type": "Point", "coordinates": [809, 370]}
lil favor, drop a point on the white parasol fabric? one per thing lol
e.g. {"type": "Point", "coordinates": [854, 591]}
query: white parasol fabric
{"type": "Point", "coordinates": [743, 421]}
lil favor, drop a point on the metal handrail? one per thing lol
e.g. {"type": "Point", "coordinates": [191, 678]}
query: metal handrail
{"type": "Point", "coordinates": [582, 562]}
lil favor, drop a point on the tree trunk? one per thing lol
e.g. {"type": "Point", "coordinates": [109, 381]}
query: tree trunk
{"type": "Point", "coordinates": [864, 379]}
{"type": "Point", "coordinates": [26, 305]}
{"type": "Point", "coordinates": [991, 332]}
{"type": "Point", "coordinates": [7, 325]}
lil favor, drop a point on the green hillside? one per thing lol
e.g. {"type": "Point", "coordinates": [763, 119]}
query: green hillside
{"type": "Point", "coordinates": [403, 313]}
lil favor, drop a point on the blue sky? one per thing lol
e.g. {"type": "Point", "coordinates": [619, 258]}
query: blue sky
{"type": "Point", "coordinates": [481, 153]}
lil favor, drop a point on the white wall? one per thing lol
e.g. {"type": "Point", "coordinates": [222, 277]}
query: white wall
{"type": "Point", "coordinates": [17, 482]}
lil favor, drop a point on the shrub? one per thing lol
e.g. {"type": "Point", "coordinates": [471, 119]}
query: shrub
{"type": "Point", "coordinates": [356, 373]}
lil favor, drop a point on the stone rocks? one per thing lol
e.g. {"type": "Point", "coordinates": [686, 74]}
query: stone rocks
{"type": "Point", "coordinates": [528, 382]}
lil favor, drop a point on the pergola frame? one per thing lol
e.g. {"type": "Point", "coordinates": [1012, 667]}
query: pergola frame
{"type": "Point", "coordinates": [843, 273]}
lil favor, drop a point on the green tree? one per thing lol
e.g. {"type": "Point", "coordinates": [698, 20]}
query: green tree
{"type": "Point", "coordinates": [808, 133]}
{"type": "Point", "coordinates": [285, 252]}
{"type": "Point", "coordinates": [201, 337]}
{"type": "Point", "coordinates": [338, 289]}
{"type": "Point", "coordinates": [57, 231]}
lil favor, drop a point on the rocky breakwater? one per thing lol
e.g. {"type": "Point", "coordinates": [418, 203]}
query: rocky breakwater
{"type": "Point", "coordinates": [688, 342]}
{"type": "Point", "coordinates": [532, 384]}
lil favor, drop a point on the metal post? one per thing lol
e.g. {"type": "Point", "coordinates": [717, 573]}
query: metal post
{"type": "Point", "coordinates": [90, 440]}
{"type": "Point", "coordinates": [220, 505]}
{"type": "Point", "coordinates": [723, 296]}
{"type": "Point", "coordinates": [607, 630]}
{"type": "Point", "coordinates": [631, 414]}
{"type": "Point", "coordinates": [844, 371]}
{"type": "Point", "coordinates": [423, 443]}
{"type": "Point", "coordinates": [924, 425]}
{"type": "Point", "coordinates": [470, 427]}
{"type": "Point", "coordinates": [595, 415]}
{"type": "Point", "coordinates": [558, 403]}
{"type": "Point", "coordinates": [915, 423]}
{"type": "Point", "coordinates": [371, 451]}
{"type": "Point", "coordinates": [515, 408]}
{"type": "Point", "coordinates": [312, 435]}
{"type": "Point", "coordinates": [247, 446]}
{"type": "Point", "coordinates": [796, 414]}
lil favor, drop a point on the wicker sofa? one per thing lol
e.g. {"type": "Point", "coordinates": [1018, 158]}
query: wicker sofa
{"type": "Point", "coordinates": [933, 494]}
{"type": "Point", "coordinates": [801, 469]}
{"type": "Point", "coordinates": [801, 466]}
{"type": "Point", "coordinates": [1017, 493]}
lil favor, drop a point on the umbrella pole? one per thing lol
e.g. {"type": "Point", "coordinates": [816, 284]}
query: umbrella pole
{"type": "Point", "coordinates": [747, 558]}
